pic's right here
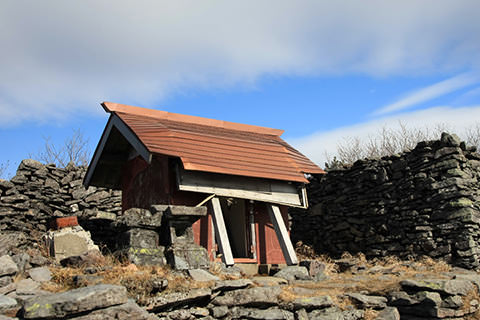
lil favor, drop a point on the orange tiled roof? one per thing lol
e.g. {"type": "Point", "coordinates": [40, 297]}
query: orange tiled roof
{"type": "Point", "coordinates": [216, 146]}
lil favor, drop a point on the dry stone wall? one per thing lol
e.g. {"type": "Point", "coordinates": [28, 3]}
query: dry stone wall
{"type": "Point", "coordinates": [422, 202]}
{"type": "Point", "coordinates": [39, 193]}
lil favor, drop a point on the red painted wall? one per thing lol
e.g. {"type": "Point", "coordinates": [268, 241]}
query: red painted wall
{"type": "Point", "coordinates": [268, 247]}
{"type": "Point", "coordinates": [143, 184]}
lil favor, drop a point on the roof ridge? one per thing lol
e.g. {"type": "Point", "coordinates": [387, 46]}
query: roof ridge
{"type": "Point", "coordinates": [165, 115]}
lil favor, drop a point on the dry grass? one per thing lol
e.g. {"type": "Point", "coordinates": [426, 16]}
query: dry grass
{"type": "Point", "coordinates": [472, 296]}
{"type": "Point", "coordinates": [370, 314]}
{"type": "Point", "coordinates": [141, 281]}
{"type": "Point", "coordinates": [375, 277]}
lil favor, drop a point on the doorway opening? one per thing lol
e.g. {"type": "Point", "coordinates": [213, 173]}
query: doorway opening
{"type": "Point", "coordinates": [237, 224]}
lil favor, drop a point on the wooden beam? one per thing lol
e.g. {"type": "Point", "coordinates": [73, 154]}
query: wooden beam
{"type": "Point", "coordinates": [253, 231]}
{"type": "Point", "coordinates": [265, 190]}
{"type": "Point", "coordinates": [282, 234]}
{"type": "Point", "coordinates": [132, 138]}
{"type": "Point", "coordinates": [221, 232]}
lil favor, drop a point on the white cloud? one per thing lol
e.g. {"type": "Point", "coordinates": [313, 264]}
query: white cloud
{"type": "Point", "coordinates": [317, 145]}
{"type": "Point", "coordinates": [431, 92]}
{"type": "Point", "coordinates": [60, 57]}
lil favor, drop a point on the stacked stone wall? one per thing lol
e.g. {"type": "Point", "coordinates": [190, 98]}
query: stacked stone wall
{"type": "Point", "coordinates": [39, 193]}
{"type": "Point", "coordinates": [422, 202]}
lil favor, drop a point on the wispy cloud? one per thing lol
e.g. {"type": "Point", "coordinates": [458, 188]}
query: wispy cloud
{"type": "Point", "coordinates": [318, 145]}
{"type": "Point", "coordinates": [138, 52]}
{"type": "Point", "coordinates": [431, 92]}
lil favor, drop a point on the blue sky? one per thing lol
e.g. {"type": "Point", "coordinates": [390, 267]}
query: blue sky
{"type": "Point", "coordinates": [320, 70]}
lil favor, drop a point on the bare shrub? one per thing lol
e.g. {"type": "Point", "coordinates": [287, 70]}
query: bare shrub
{"type": "Point", "coordinates": [392, 140]}
{"type": "Point", "coordinates": [75, 149]}
{"type": "Point", "coordinates": [4, 174]}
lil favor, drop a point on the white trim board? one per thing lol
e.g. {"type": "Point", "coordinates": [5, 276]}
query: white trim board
{"type": "Point", "coordinates": [271, 191]}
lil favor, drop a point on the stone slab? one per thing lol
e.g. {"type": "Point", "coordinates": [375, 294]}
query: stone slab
{"type": "Point", "coordinates": [40, 274]}
{"type": "Point", "coordinates": [7, 266]}
{"type": "Point", "coordinates": [59, 305]}
{"type": "Point", "coordinates": [127, 311]}
{"type": "Point", "coordinates": [252, 297]}
{"type": "Point", "coordinates": [175, 299]}
{"type": "Point", "coordinates": [7, 303]}
{"type": "Point", "coordinates": [202, 275]}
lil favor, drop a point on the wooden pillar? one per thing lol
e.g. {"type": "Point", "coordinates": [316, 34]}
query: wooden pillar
{"type": "Point", "coordinates": [282, 234]}
{"type": "Point", "coordinates": [221, 232]}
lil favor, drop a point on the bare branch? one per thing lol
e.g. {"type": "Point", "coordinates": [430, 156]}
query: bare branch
{"type": "Point", "coordinates": [75, 149]}
{"type": "Point", "coordinates": [391, 140]}
{"type": "Point", "coordinates": [3, 169]}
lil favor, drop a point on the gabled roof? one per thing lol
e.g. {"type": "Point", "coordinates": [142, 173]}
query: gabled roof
{"type": "Point", "coordinates": [209, 145]}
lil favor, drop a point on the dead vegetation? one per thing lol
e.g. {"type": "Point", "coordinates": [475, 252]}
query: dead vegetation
{"type": "Point", "coordinates": [141, 282]}
{"type": "Point", "coordinates": [374, 277]}
{"type": "Point", "coordinates": [392, 140]}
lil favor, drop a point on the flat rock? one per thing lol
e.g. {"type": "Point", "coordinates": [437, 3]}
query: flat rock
{"type": "Point", "coordinates": [127, 311]}
{"type": "Point", "coordinates": [8, 288]}
{"type": "Point", "coordinates": [10, 241]}
{"type": "Point", "coordinates": [334, 313]}
{"type": "Point", "coordinates": [227, 285]}
{"type": "Point", "coordinates": [292, 273]}
{"type": "Point", "coordinates": [401, 298]}
{"type": "Point", "coordinates": [314, 267]}
{"type": "Point", "coordinates": [140, 218]}
{"type": "Point", "coordinates": [252, 297]}
{"type": "Point", "coordinates": [38, 260]}
{"type": "Point", "coordinates": [75, 301]}
{"type": "Point", "coordinates": [389, 313]}
{"type": "Point", "coordinates": [5, 281]}
{"type": "Point", "coordinates": [375, 302]}
{"type": "Point", "coordinates": [181, 314]}
{"type": "Point", "coordinates": [202, 275]}
{"type": "Point", "coordinates": [7, 266]}
{"type": "Point", "coordinates": [90, 258]}
{"type": "Point", "coordinates": [448, 287]}
{"type": "Point", "coordinates": [174, 299]}
{"type": "Point", "coordinates": [7, 303]}
{"type": "Point", "coordinates": [473, 277]}
{"type": "Point", "coordinates": [310, 303]}
{"type": "Point", "coordinates": [219, 311]}
{"type": "Point", "coordinates": [22, 260]}
{"type": "Point", "coordinates": [40, 274]}
{"type": "Point", "coordinates": [27, 287]}
{"type": "Point", "coordinates": [267, 314]}
{"type": "Point", "coordinates": [70, 241]}
{"type": "Point", "coordinates": [28, 164]}
{"type": "Point", "coordinates": [5, 184]}
{"type": "Point", "coordinates": [269, 281]}
{"type": "Point", "coordinates": [301, 314]}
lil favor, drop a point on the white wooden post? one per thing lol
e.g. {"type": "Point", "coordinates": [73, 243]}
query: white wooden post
{"type": "Point", "coordinates": [221, 232]}
{"type": "Point", "coordinates": [282, 234]}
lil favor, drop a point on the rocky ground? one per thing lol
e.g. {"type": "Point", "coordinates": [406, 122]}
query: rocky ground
{"type": "Point", "coordinates": [95, 287]}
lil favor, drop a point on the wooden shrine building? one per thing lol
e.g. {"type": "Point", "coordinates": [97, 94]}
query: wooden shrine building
{"type": "Point", "coordinates": [246, 175]}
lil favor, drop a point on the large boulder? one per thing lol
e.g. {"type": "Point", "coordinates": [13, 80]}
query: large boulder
{"type": "Point", "coordinates": [446, 287]}
{"type": "Point", "coordinates": [6, 303]}
{"type": "Point", "coordinates": [68, 242]}
{"type": "Point", "coordinates": [7, 266]}
{"type": "Point", "coordinates": [252, 297]}
{"type": "Point", "coordinates": [176, 299]}
{"type": "Point", "coordinates": [127, 311]}
{"type": "Point", "coordinates": [292, 273]}
{"type": "Point", "coordinates": [59, 305]}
